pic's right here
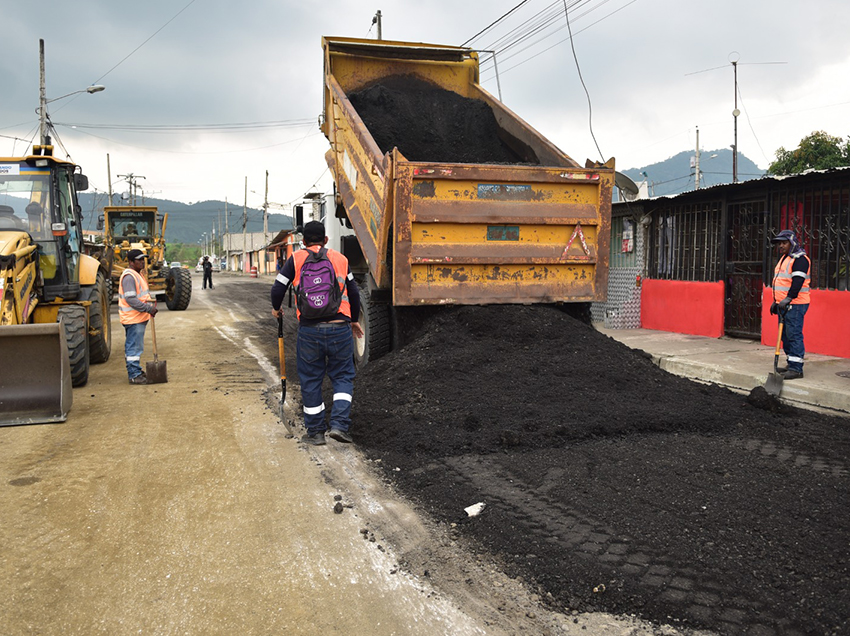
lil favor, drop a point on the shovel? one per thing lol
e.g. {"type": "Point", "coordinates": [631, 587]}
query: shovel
{"type": "Point", "coordinates": [773, 386]}
{"type": "Point", "coordinates": [282, 373]}
{"type": "Point", "coordinates": [156, 370]}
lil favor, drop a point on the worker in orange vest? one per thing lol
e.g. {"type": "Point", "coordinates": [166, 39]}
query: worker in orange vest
{"type": "Point", "coordinates": [791, 293]}
{"type": "Point", "coordinates": [135, 309]}
{"type": "Point", "coordinates": [328, 310]}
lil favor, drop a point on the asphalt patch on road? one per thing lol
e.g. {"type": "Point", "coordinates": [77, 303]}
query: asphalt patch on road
{"type": "Point", "coordinates": [609, 483]}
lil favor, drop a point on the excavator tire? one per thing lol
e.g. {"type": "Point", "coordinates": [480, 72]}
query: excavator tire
{"type": "Point", "coordinates": [76, 335]}
{"type": "Point", "coordinates": [178, 289]}
{"type": "Point", "coordinates": [377, 330]}
{"type": "Point", "coordinates": [100, 340]}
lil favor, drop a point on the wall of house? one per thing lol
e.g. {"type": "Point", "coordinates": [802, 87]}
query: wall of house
{"type": "Point", "coordinates": [694, 308]}
{"type": "Point", "coordinates": [826, 329]}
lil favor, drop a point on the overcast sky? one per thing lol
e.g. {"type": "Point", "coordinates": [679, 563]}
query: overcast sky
{"type": "Point", "coordinates": [179, 64]}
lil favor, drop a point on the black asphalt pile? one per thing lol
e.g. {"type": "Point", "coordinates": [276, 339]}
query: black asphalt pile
{"type": "Point", "coordinates": [486, 379]}
{"type": "Point", "coordinates": [610, 484]}
{"type": "Point", "coordinates": [428, 123]}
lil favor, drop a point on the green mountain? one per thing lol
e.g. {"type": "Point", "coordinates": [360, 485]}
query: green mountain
{"type": "Point", "coordinates": [187, 223]}
{"type": "Point", "coordinates": [675, 175]}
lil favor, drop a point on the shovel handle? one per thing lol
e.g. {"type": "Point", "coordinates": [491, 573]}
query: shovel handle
{"type": "Point", "coordinates": [779, 337]}
{"type": "Point", "coordinates": [281, 351]}
{"type": "Point", "coordinates": [153, 335]}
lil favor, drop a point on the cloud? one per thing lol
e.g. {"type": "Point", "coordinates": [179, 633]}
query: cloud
{"type": "Point", "coordinates": [261, 61]}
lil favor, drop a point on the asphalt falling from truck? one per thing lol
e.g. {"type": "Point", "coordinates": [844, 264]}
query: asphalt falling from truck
{"type": "Point", "coordinates": [429, 123]}
{"type": "Point", "coordinates": [609, 483]}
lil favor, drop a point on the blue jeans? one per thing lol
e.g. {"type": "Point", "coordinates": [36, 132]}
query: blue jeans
{"type": "Point", "coordinates": [792, 336]}
{"type": "Point", "coordinates": [327, 348]}
{"type": "Point", "coordinates": [134, 345]}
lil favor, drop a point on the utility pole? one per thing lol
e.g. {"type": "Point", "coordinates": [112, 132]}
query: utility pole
{"type": "Point", "coordinates": [735, 114]}
{"type": "Point", "coordinates": [42, 98]}
{"type": "Point", "coordinates": [244, 230]}
{"type": "Point", "coordinates": [133, 185]}
{"type": "Point", "coordinates": [109, 177]}
{"type": "Point", "coordinates": [377, 20]}
{"type": "Point", "coordinates": [266, 209]}
{"type": "Point", "coordinates": [696, 164]}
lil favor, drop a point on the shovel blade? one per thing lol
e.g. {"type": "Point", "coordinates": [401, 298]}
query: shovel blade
{"type": "Point", "coordinates": [156, 372]}
{"type": "Point", "coordinates": [773, 386]}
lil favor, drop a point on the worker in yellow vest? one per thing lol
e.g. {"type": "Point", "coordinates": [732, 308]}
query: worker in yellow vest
{"type": "Point", "coordinates": [791, 293]}
{"type": "Point", "coordinates": [135, 309]}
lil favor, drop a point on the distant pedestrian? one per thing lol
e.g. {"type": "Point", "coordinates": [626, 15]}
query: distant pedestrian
{"type": "Point", "coordinates": [791, 294]}
{"type": "Point", "coordinates": [135, 309]}
{"type": "Point", "coordinates": [208, 267]}
{"type": "Point", "coordinates": [328, 311]}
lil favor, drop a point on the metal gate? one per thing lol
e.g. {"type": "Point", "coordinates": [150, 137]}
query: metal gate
{"type": "Point", "coordinates": [745, 262]}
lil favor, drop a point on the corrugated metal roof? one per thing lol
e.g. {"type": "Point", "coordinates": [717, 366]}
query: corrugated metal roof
{"type": "Point", "coordinates": [722, 187]}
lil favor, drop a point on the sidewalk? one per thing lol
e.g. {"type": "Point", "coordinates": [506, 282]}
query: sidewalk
{"type": "Point", "coordinates": [741, 364]}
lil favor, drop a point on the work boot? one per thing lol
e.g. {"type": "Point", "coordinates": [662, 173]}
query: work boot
{"type": "Point", "coordinates": [316, 439]}
{"type": "Point", "coordinates": [792, 374]}
{"type": "Point", "coordinates": [139, 379]}
{"type": "Point", "coordinates": [781, 369]}
{"type": "Point", "coordinates": [340, 436]}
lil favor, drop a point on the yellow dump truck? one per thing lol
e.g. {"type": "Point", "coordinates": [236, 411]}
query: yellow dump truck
{"type": "Point", "coordinates": [452, 198]}
{"type": "Point", "coordinates": [54, 301]}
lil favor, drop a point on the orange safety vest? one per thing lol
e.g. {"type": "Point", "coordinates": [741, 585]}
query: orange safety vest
{"type": "Point", "coordinates": [126, 314]}
{"type": "Point", "coordinates": [783, 276]}
{"type": "Point", "coordinates": [340, 264]}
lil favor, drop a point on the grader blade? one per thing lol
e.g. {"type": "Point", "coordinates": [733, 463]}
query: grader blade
{"type": "Point", "coordinates": [35, 374]}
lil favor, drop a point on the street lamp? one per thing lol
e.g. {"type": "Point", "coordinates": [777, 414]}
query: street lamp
{"type": "Point", "coordinates": [42, 98]}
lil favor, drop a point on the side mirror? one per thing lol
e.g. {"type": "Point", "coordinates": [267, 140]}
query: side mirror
{"type": "Point", "coordinates": [81, 182]}
{"type": "Point", "coordinates": [100, 222]}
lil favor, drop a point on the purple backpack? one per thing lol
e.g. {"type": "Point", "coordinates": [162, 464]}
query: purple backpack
{"type": "Point", "coordinates": [318, 295]}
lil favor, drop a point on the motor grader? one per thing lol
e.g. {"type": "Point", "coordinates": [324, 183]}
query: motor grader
{"type": "Point", "coordinates": [143, 228]}
{"type": "Point", "coordinates": [54, 303]}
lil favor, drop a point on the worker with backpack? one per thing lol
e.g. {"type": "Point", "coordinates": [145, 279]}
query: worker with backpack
{"type": "Point", "coordinates": [328, 310]}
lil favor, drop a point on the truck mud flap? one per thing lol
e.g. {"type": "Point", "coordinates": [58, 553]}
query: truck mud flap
{"type": "Point", "coordinates": [35, 376]}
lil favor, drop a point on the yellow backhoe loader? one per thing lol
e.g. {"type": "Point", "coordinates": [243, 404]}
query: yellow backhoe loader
{"type": "Point", "coordinates": [54, 300]}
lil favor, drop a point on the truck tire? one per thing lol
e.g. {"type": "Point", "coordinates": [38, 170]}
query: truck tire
{"type": "Point", "coordinates": [178, 289]}
{"type": "Point", "coordinates": [377, 331]}
{"type": "Point", "coordinates": [100, 341]}
{"type": "Point", "coordinates": [73, 318]}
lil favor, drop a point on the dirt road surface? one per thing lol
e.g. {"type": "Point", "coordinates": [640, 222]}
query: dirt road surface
{"type": "Point", "coordinates": [183, 508]}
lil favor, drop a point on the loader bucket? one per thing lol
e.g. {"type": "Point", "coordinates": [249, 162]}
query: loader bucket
{"type": "Point", "coordinates": [35, 374]}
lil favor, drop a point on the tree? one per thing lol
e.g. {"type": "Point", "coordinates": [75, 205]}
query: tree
{"type": "Point", "coordinates": [818, 150]}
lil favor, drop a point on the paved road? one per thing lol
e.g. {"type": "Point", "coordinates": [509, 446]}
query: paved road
{"type": "Point", "coordinates": [184, 508]}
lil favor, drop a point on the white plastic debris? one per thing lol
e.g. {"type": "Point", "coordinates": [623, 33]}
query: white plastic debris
{"type": "Point", "coordinates": [475, 509]}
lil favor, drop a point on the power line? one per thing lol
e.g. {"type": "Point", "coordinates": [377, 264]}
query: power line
{"type": "Point", "coordinates": [586, 92]}
{"type": "Point", "coordinates": [186, 152]}
{"type": "Point", "coordinates": [191, 2]}
{"type": "Point", "coordinates": [492, 24]}
{"type": "Point", "coordinates": [167, 128]}
{"type": "Point", "coordinates": [605, 17]}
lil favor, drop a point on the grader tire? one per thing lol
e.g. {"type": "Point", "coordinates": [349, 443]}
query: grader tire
{"type": "Point", "coordinates": [178, 289]}
{"type": "Point", "coordinates": [100, 341]}
{"type": "Point", "coordinates": [73, 318]}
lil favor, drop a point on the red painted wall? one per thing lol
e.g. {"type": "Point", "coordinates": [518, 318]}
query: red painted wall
{"type": "Point", "coordinates": [826, 329]}
{"type": "Point", "coordinates": [683, 307]}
